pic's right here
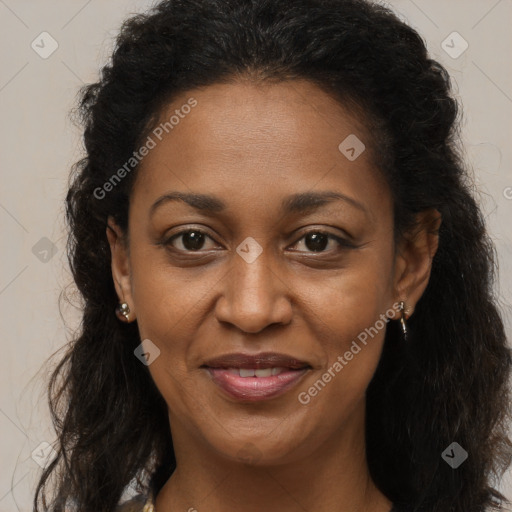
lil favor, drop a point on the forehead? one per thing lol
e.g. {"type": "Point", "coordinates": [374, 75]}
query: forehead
{"type": "Point", "coordinates": [261, 140]}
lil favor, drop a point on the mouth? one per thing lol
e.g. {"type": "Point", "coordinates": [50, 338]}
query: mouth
{"type": "Point", "coordinates": [256, 377]}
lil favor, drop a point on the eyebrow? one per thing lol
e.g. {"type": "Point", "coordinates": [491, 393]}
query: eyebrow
{"type": "Point", "coordinates": [297, 203]}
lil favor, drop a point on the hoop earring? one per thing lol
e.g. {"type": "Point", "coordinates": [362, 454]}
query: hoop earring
{"type": "Point", "coordinates": [123, 312]}
{"type": "Point", "coordinates": [403, 318]}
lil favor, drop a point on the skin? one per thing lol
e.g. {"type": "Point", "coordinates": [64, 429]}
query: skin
{"type": "Point", "coordinates": [251, 146]}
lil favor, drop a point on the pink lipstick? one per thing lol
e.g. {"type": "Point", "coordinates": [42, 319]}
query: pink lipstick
{"type": "Point", "coordinates": [256, 377]}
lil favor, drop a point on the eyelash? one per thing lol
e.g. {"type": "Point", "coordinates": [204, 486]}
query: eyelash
{"type": "Point", "coordinates": [341, 242]}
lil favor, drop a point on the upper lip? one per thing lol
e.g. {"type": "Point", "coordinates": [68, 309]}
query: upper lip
{"type": "Point", "coordinates": [256, 361]}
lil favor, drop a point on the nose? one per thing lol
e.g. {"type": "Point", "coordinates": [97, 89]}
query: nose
{"type": "Point", "coordinates": [254, 296]}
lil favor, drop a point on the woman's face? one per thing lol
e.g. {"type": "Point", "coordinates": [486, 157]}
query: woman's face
{"type": "Point", "coordinates": [247, 270]}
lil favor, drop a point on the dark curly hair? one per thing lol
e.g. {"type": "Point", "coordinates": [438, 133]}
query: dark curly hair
{"type": "Point", "coordinates": [448, 383]}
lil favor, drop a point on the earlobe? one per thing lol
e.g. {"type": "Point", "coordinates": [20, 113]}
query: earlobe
{"type": "Point", "coordinates": [121, 275]}
{"type": "Point", "coordinates": [414, 260]}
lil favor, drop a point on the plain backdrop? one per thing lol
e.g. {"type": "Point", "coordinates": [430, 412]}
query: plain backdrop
{"type": "Point", "coordinates": [39, 143]}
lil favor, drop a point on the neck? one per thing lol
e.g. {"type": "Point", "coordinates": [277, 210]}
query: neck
{"type": "Point", "coordinates": [333, 478]}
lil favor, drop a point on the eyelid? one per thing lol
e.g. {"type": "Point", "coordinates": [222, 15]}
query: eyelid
{"type": "Point", "coordinates": [342, 242]}
{"type": "Point", "coordinates": [342, 237]}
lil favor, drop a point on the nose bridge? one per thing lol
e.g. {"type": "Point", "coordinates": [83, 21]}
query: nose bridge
{"type": "Point", "coordinates": [253, 295]}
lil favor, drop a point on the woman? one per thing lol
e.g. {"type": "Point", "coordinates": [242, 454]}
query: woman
{"type": "Point", "coordinates": [287, 283]}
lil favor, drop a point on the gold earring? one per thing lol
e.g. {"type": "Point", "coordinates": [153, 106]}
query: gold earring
{"type": "Point", "coordinates": [123, 312]}
{"type": "Point", "coordinates": [403, 318]}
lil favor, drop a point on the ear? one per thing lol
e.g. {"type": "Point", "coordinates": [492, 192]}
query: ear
{"type": "Point", "coordinates": [121, 272]}
{"type": "Point", "coordinates": [413, 262]}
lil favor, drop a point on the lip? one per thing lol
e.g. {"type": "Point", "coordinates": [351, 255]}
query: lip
{"type": "Point", "coordinates": [256, 388]}
{"type": "Point", "coordinates": [256, 361]}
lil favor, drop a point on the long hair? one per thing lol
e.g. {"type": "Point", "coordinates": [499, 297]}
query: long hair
{"type": "Point", "coordinates": [448, 383]}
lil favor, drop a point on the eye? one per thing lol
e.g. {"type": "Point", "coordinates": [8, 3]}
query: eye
{"type": "Point", "coordinates": [317, 241]}
{"type": "Point", "coordinates": [191, 240]}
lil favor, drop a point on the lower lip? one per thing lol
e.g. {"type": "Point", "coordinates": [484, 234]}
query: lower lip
{"type": "Point", "coordinates": [255, 388]}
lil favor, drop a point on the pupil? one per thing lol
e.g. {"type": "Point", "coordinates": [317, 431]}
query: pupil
{"type": "Point", "coordinates": [197, 240]}
{"type": "Point", "coordinates": [318, 241]}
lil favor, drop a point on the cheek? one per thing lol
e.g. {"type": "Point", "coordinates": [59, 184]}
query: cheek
{"type": "Point", "coordinates": [164, 296]}
{"type": "Point", "coordinates": [353, 298]}
{"type": "Point", "coordinates": [352, 347]}
{"type": "Point", "coordinates": [349, 313]}
{"type": "Point", "coordinates": [173, 307]}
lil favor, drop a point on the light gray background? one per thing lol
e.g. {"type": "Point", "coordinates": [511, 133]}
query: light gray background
{"type": "Point", "coordinates": [38, 144]}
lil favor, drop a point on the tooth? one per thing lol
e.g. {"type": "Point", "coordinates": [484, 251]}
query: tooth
{"type": "Point", "coordinates": [267, 372]}
{"type": "Point", "coordinates": [234, 371]}
{"type": "Point", "coordinates": [246, 372]}
{"type": "Point", "coordinates": [277, 371]}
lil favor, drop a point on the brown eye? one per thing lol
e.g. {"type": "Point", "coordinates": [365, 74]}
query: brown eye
{"type": "Point", "coordinates": [318, 241]}
{"type": "Point", "coordinates": [191, 240]}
